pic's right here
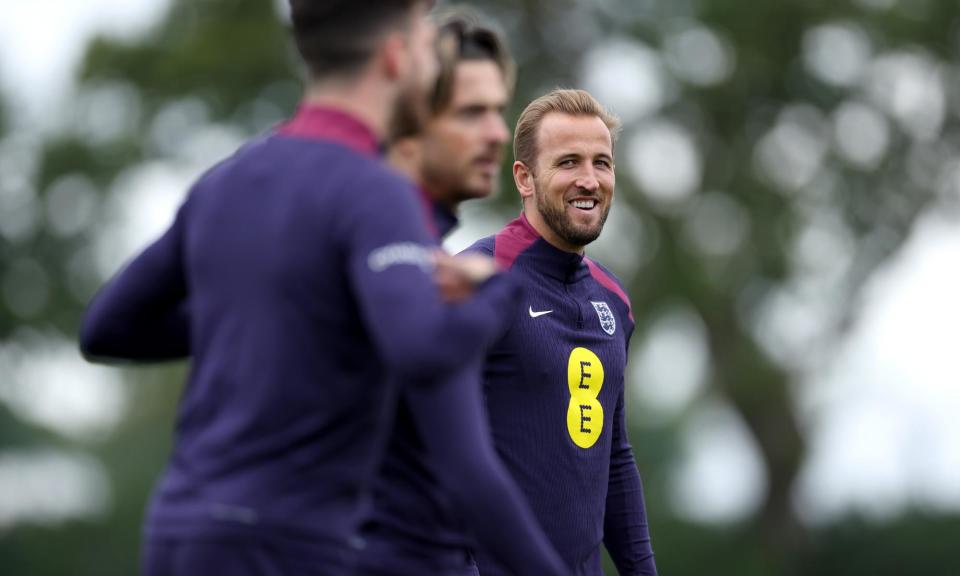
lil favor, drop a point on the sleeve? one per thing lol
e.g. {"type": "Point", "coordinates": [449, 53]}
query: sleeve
{"type": "Point", "coordinates": [142, 313]}
{"type": "Point", "coordinates": [626, 534]}
{"type": "Point", "coordinates": [451, 420]}
{"type": "Point", "coordinates": [388, 254]}
{"type": "Point", "coordinates": [483, 246]}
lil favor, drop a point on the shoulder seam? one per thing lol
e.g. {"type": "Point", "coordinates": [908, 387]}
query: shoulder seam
{"type": "Point", "coordinates": [609, 281]}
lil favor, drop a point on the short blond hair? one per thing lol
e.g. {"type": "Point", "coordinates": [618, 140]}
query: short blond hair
{"type": "Point", "coordinates": [564, 101]}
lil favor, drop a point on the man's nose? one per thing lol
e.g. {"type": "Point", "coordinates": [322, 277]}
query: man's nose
{"type": "Point", "coordinates": [588, 180]}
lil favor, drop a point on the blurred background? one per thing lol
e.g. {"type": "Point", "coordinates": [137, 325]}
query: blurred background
{"type": "Point", "coordinates": [787, 220]}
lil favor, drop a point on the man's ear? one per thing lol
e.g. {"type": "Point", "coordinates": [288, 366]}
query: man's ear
{"type": "Point", "coordinates": [394, 56]}
{"type": "Point", "coordinates": [523, 178]}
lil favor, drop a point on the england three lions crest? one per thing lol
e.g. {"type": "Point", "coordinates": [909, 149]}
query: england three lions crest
{"type": "Point", "coordinates": [607, 320]}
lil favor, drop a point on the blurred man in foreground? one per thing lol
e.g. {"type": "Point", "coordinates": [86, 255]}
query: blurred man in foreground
{"type": "Point", "coordinates": [425, 517]}
{"type": "Point", "coordinates": [297, 275]}
{"type": "Point", "coordinates": [554, 382]}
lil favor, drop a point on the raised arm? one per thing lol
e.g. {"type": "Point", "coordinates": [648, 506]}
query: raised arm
{"type": "Point", "coordinates": [141, 314]}
{"type": "Point", "coordinates": [451, 420]}
{"type": "Point", "coordinates": [390, 264]}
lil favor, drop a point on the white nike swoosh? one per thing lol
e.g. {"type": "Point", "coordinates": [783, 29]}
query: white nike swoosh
{"type": "Point", "coordinates": [535, 314]}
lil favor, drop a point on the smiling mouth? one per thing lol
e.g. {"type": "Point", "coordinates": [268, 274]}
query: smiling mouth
{"type": "Point", "coordinates": [583, 204]}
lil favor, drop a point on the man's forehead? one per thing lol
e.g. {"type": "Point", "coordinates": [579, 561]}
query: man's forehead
{"type": "Point", "coordinates": [562, 133]}
{"type": "Point", "coordinates": [478, 79]}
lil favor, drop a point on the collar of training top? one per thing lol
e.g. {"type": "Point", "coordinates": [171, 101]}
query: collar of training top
{"type": "Point", "coordinates": [440, 219]}
{"type": "Point", "coordinates": [520, 237]}
{"type": "Point", "coordinates": [325, 123]}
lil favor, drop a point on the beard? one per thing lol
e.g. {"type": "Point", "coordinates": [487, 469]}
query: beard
{"type": "Point", "coordinates": [457, 182]}
{"type": "Point", "coordinates": [555, 216]}
{"type": "Point", "coordinates": [409, 114]}
{"type": "Point", "coordinates": [411, 110]}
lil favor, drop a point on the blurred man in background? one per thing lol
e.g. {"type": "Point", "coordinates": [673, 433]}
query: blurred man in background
{"type": "Point", "coordinates": [425, 517]}
{"type": "Point", "coordinates": [458, 152]}
{"type": "Point", "coordinates": [554, 383]}
{"type": "Point", "coordinates": [297, 276]}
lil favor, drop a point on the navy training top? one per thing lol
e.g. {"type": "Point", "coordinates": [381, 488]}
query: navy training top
{"type": "Point", "coordinates": [426, 518]}
{"type": "Point", "coordinates": [554, 387]}
{"type": "Point", "coordinates": [297, 276]}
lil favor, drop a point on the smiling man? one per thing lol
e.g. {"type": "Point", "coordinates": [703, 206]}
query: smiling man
{"type": "Point", "coordinates": [554, 382]}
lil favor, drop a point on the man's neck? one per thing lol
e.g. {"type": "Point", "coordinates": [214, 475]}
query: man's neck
{"type": "Point", "coordinates": [453, 206]}
{"type": "Point", "coordinates": [405, 158]}
{"type": "Point", "coordinates": [364, 98]}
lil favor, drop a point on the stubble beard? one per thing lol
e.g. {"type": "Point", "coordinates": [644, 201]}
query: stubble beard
{"type": "Point", "coordinates": [455, 185]}
{"type": "Point", "coordinates": [557, 219]}
{"type": "Point", "coordinates": [411, 108]}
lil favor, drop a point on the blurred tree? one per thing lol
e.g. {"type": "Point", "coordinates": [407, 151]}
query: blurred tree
{"type": "Point", "coordinates": [207, 63]}
{"type": "Point", "coordinates": [771, 145]}
{"type": "Point", "coordinates": [773, 140]}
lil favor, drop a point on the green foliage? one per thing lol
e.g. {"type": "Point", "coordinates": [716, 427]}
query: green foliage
{"type": "Point", "coordinates": [233, 56]}
{"type": "Point", "coordinates": [918, 543]}
{"type": "Point", "coordinates": [225, 52]}
{"type": "Point", "coordinates": [134, 457]}
{"type": "Point", "coordinates": [70, 155]}
{"type": "Point", "coordinates": [915, 544]}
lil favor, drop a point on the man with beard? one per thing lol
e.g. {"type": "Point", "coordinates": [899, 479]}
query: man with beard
{"type": "Point", "coordinates": [424, 516]}
{"type": "Point", "coordinates": [297, 276]}
{"type": "Point", "coordinates": [456, 154]}
{"type": "Point", "coordinates": [554, 382]}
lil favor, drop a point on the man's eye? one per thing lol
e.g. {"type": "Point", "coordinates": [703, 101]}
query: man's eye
{"type": "Point", "coordinates": [471, 113]}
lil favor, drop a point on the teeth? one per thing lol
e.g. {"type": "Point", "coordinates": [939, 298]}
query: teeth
{"type": "Point", "coordinates": [588, 204]}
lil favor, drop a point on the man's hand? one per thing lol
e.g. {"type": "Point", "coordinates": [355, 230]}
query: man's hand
{"type": "Point", "coordinates": [457, 277]}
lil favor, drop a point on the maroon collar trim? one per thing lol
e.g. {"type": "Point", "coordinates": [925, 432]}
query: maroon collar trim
{"type": "Point", "coordinates": [325, 123]}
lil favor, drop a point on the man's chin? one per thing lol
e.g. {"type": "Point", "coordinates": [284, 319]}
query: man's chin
{"type": "Point", "coordinates": [480, 189]}
{"type": "Point", "coordinates": [581, 234]}
{"type": "Point", "coordinates": [584, 221]}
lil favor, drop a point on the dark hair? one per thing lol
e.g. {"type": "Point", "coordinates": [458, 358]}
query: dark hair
{"type": "Point", "coordinates": [337, 37]}
{"type": "Point", "coordinates": [461, 35]}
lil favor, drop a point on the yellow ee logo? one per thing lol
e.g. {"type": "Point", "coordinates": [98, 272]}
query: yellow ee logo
{"type": "Point", "coordinates": [584, 414]}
